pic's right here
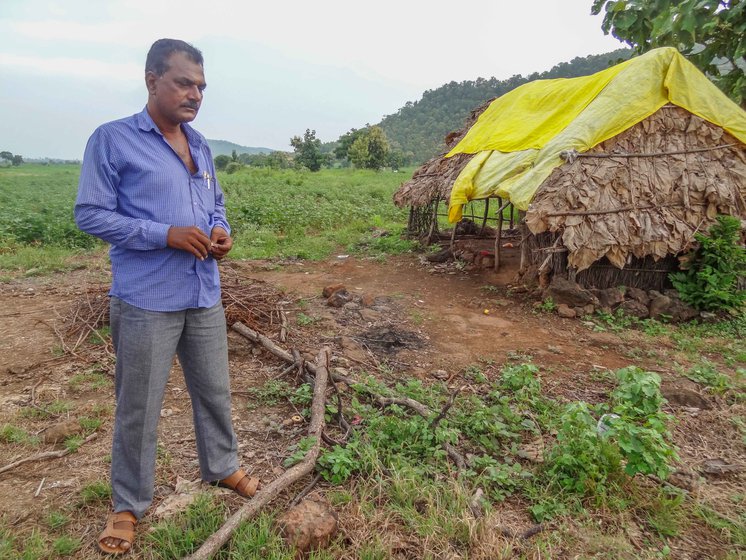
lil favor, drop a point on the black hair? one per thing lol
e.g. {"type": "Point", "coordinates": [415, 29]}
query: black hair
{"type": "Point", "coordinates": [162, 49]}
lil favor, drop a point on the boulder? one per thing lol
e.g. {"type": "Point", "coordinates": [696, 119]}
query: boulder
{"type": "Point", "coordinates": [610, 297]}
{"type": "Point", "coordinates": [563, 310]}
{"type": "Point", "coordinates": [339, 298]}
{"type": "Point", "coordinates": [62, 431]}
{"type": "Point", "coordinates": [681, 312]}
{"type": "Point", "coordinates": [308, 526]}
{"type": "Point", "coordinates": [329, 290]}
{"type": "Point", "coordinates": [561, 290]}
{"type": "Point", "coordinates": [638, 295]}
{"type": "Point", "coordinates": [659, 306]}
{"type": "Point", "coordinates": [634, 308]}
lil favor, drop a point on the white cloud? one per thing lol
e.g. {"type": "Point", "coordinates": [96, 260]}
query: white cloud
{"type": "Point", "coordinates": [71, 67]}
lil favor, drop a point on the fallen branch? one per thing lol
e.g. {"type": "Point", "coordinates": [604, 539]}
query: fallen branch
{"type": "Point", "coordinates": [45, 455]}
{"type": "Point", "coordinates": [417, 406]}
{"type": "Point", "coordinates": [266, 494]}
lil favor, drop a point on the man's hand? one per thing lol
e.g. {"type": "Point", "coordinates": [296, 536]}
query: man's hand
{"type": "Point", "coordinates": [221, 242]}
{"type": "Point", "coordinates": [190, 239]}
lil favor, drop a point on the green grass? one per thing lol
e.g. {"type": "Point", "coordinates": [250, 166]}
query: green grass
{"type": "Point", "coordinates": [13, 434]}
{"type": "Point", "coordinates": [95, 492]}
{"type": "Point", "coordinates": [273, 213]}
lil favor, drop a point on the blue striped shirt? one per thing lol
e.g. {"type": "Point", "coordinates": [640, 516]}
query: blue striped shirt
{"type": "Point", "coordinates": [133, 187]}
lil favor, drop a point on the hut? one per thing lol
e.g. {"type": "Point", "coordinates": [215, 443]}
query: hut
{"type": "Point", "coordinates": [615, 172]}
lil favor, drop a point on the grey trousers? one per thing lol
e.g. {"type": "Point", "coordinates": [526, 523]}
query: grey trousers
{"type": "Point", "coordinates": [145, 343]}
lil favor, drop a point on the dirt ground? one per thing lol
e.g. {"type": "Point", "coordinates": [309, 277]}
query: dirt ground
{"type": "Point", "coordinates": [441, 317]}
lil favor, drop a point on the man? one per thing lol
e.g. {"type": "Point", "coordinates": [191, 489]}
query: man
{"type": "Point", "coordinates": [148, 188]}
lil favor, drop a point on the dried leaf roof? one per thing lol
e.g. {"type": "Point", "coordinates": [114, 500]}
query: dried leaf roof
{"type": "Point", "coordinates": [607, 203]}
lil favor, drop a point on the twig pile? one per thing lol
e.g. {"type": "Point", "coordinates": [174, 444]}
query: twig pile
{"type": "Point", "coordinates": [252, 302]}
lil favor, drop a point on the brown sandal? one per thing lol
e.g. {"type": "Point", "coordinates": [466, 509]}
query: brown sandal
{"type": "Point", "coordinates": [241, 483]}
{"type": "Point", "coordinates": [125, 535]}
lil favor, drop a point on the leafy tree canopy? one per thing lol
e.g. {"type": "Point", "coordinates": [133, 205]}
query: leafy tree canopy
{"type": "Point", "coordinates": [308, 150]}
{"type": "Point", "coordinates": [711, 34]}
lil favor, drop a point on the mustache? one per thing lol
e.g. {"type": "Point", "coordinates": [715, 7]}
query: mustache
{"type": "Point", "coordinates": [191, 105]}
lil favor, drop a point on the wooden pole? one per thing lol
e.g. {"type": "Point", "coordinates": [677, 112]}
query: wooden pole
{"type": "Point", "coordinates": [486, 212]}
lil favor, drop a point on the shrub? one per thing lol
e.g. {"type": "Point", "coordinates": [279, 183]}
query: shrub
{"type": "Point", "coordinates": [711, 280]}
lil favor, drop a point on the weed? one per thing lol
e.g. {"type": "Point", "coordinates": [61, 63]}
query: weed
{"type": "Point", "coordinates": [304, 320]}
{"type": "Point", "coordinates": [14, 434]}
{"type": "Point", "coordinates": [707, 374]}
{"type": "Point", "coordinates": [65, 545]}
{"type": "Point", "coordinates": [665, 514]}
{"type": "Point", "coordinates": [93, 380]}
{"type": "Point", "coordinates": [90, 424]}
{"type": "Point", "coordinates": [475, 373]}
{"type": "Point", "coordinates": [182, 534]}
{"type": "Point", "coordinates": [271, 393]}
{"type": "Point", "coordinates": [95, 492]}
{"type": "Point", "coordinates": [72, 443]}
{"type": "Point", "coordinates": [547, 306]}
{"type": "Point", "coordinates": [57, 519]}
{"type": "Point", "coordinates": [257, 539]}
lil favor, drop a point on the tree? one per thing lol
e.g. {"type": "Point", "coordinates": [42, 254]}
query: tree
{"type": "Point", "coordinates": [234, 156]}
{"type": "Point", "coordinates": [308, 150]}
{"type": "Point", "coordinates": [17, 160]}
{"type": "Point", "coordinates": [6, 155]}
{"type": "Point", "coordinates": [370, 149]}
{"type": "Point", "coordinates": [221, 162]}
{"type": "Point", "coordinates": [345, 142]}
{"type": "Point", "coordinates": [709, 33]}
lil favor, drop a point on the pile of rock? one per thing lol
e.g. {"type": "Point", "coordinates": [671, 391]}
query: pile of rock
{"type": "Point", "coordinates": [572, 300]}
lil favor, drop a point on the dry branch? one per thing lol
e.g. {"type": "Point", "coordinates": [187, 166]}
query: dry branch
{"type": "Point", "coordinates": [417, 406]}
{"type": "Point", "coordinates": [266, 494]}
{"type": "Point", "coordinates": [45, 455]}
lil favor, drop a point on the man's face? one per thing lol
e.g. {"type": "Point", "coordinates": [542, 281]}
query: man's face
{"type": "Point", "coordinates": [177, 95]}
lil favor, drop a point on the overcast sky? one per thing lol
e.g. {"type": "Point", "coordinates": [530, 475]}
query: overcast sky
{"type": "Point", "coordinates": [273, 69]}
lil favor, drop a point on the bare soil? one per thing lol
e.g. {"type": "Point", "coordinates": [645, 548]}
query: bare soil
{"type": "Point", "coordinates": [423, 318]}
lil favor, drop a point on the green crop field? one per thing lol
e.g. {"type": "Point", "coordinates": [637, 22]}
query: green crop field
{"type": "Point", "coordinates": [274, 213]}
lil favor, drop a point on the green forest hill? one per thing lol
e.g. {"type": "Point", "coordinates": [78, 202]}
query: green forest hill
{"type": "Point", "coordinates": [418, 128]}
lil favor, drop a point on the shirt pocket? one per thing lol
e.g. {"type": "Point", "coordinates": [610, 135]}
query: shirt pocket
{"type": "Point", "coordinates": [204, 193]}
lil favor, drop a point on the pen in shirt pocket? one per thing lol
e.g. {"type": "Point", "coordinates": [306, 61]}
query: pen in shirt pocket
{"type": "Point", "coordinates": [207, 177]}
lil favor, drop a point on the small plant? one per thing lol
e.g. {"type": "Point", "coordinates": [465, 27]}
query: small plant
{"type": "Point", "coordinates": [707, 374]}
{"type": "Point", "coordinates": [271, 393]}
{"type": "Point", "coordinates": [95, 492]}
{"type": "Point", "coordinates": [547, 306]}
{"type": "Point", "coordinates": [338, 464]}
{"type": "Point", "coordinates": [304, 320]}
{"type": "Point", "coordinates": [14, 434]}
{"type": "Point", "coordinates": [57, 519]}
{"type": "Point", "coordinates": [72, 443]}
{"type": "Point", "coordinates": [65, 545]}
{"type": "Point", "coordinates": [710, 281]}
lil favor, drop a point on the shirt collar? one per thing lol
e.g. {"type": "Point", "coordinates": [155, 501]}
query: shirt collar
{"type": "Point", "coordinates": [146, 124]}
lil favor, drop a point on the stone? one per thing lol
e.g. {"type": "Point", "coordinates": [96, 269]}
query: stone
{"type": "Point", "coordinates": [339, 298]}
{"type": "Point", "coordinates": [681, 396]}
{"type": "Point", "coordinates": [561, 290]}
{"type": "Point", "coordinates": [610, 297]}
{"type": "Point", "coordinates": [681, 312]}
{"type": "Point", "coordinates": [589, 309]}
{"type": "Point", "coordinates": [604, 339]}
{"type": "Point", "coordinates": [370, 315]}
{"type": "Point", "coordinates": [351, 306]}
{"type": "Point", "coordinates": [659, 306]}
{"type": "Point", "coordinates": [579, 311]}
{"type": "Point", "coordinates": [440, 374]}
{"type": "Point", "coordinates": [308, 526]}
{"type": "Point", "coordinates": [329, 290]}
{"type": "Point", "coordinates": [367, 300]}
{"type": "Point", "coordinates": [634, 308]}
{"type": "Point", "coordinates": [62, 431]}
{"type": "Point", "coordinates": [565, 311]}
{"type": "Point", "coordinates": [352, 349]}
{"type": "Point", "coordinates": [488, 262]}
{"type": "Point", "coordinates": [638, 295]}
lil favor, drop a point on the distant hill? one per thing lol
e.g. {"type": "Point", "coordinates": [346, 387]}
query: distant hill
{"type": "Point", "coordinates": [419, 127]}
{"type": "Point", "coordinates": [225, 148]}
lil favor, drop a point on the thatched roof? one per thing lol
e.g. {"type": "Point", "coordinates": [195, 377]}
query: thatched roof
{"type": "Point", "coordinates": [686, 170]}
{"type": "Point", "coordinates": [434, 179]}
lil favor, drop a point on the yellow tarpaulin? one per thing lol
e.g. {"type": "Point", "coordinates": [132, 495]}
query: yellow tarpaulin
{"type": "Point", "coordinates": [519, 137]}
